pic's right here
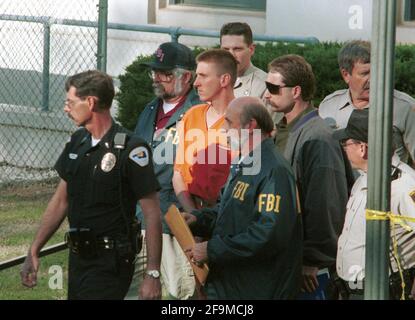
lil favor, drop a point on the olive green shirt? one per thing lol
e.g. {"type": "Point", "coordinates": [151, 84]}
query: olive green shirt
{"type": "Point", "coordinates": [284, 128]}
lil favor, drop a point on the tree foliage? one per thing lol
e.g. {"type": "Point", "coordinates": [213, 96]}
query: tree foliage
{"type": "Point", "coordinates": [136, 91]}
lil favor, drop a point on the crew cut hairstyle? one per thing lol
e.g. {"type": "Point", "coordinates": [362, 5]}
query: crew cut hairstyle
{"type": "Point", "coordinates": [237, 29]}
{"type": "Point", "coordinates": [225, 62]}
{"type": "Point", "coordinates": [353, 52]}
{"type": "Point", "coordinates": [296, 71]}
{"type": "Point", "coordinates": [93, 83]}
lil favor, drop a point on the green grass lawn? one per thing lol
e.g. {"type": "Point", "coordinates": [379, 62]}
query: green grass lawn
{"type": "Point", "coordinates": [11, 288]}
{"type": "Point", "coordinates": [21, 208]}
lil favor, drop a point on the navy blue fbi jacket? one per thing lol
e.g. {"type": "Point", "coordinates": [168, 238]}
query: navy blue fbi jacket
{"type": "Point", "coordinates": [255, 246]}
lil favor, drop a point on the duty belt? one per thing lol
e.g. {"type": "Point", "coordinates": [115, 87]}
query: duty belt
{"type": "Point", "coordinates": [82, 242]}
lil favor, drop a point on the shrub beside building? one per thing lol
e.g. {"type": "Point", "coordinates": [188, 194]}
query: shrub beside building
{"type": "Point", "coordinates": [136, 91]}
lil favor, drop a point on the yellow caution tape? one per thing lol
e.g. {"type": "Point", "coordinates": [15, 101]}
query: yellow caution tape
{"type": "Point", "coordinates": [394, 218]}
{"type": "Point", "coordinates": [376, 215]}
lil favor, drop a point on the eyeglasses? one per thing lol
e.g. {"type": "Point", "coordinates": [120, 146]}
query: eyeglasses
{"type": "Point", "coordinates": [164, 76]}
{"type": "Point", "coordinates": [70, 103]}
{"type": "Point", "coordinates": [275, 88]}
{"type": "Point", "coordinates": [345, 144]}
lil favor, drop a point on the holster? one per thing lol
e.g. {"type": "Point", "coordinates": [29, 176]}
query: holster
{"type": "Point", "coordinates": [132, 246]}
{"type": "Point", "coordinates": [82, 241]}
{"type": "Point", "coordinates": [136, 236]}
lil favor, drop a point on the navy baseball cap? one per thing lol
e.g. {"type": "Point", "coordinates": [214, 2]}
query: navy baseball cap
{"type": "Point", "coordinates": [170, 55]}
{"type": "Point", "coordinates": [357, 127]}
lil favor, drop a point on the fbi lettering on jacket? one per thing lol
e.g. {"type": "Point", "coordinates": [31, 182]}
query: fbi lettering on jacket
{"type": "Point", "coordinates": [269, 202]}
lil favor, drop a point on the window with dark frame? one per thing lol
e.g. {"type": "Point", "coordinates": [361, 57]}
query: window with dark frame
{"type": "Point", "coordinates": [258, 5]}
{"type": "Point", "coordinates": [409, 11]}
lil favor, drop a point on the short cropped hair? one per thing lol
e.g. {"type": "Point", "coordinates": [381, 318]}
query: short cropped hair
{"type": "Point", "coordinates": [93, 83]}
{"type": "Point", "coordinates": [237, 29]}
{"type": "Point", "coordinates": [225, 62]}
{"type": "Point", "coordinates": [296, 71]}
{"type": "Point", "coordinates": [352, 52]}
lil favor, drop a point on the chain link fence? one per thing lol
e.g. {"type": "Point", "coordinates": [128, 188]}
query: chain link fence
{"type": "Point", "coordinates": [124, 46]}
{"type": "Point", "coordinates": [41, 43]}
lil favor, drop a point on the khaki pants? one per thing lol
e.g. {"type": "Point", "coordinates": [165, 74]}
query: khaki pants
{"type": "Point", "coordinates": [177, 276]}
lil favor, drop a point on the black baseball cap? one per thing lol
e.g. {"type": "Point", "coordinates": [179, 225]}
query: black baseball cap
{"type": "Point", "coordinates": [170, 55]}
{"type": "Point", "coordinates": [357, 127]}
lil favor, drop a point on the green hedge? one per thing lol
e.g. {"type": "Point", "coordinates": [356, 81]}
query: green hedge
{"type": "Point", "coordinates": [135, 88]}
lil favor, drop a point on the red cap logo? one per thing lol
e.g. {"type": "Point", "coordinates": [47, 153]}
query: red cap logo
{"type": "Point", "coordinates": [159, 54]}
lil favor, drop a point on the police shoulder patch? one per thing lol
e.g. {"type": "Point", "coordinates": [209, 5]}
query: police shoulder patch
{"type": "Point", "coordinates": [73, 156]}
{"type": "Point", "coordinates": [140, 156]}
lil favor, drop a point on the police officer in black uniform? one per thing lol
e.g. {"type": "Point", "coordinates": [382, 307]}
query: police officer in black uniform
{"type": "Point", "coordinates": [254, 249]}
{"type": "Point", "coordinates": [104, 170]}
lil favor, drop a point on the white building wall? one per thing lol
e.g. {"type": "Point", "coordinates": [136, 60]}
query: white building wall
{"type": "Point", "coordinates": [124, 46]}
{"type": "Point", "coordinates": [405, 34]}
{"type": "Point", "coordinates": [328, 20]}
{"type": "Point", "coordinates": [197, 17]}
{"type": "Point", "coordinates": [128, 11]}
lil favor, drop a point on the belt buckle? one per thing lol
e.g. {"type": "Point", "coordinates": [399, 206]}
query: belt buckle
{"type": "Point", "coordinates": [72, 245]}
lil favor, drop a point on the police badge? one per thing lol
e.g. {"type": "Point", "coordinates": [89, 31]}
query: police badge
{"type": "Point", "coordinates": [108, 162]}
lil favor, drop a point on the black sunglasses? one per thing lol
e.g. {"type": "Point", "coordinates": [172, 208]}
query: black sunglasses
{"type": "Point", "coordinates": [274, 88]}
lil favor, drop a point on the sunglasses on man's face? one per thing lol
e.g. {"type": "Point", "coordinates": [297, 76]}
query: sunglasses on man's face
{"type": "Point", "coordinates": [275, 88]}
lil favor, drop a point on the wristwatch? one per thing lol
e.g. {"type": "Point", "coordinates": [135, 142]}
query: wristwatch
{"type": "Point", "coordinates": [153, 273]}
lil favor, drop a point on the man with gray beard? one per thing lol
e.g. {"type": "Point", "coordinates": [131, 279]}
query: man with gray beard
{"type": "Point", "coordinates": [172, 72]}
